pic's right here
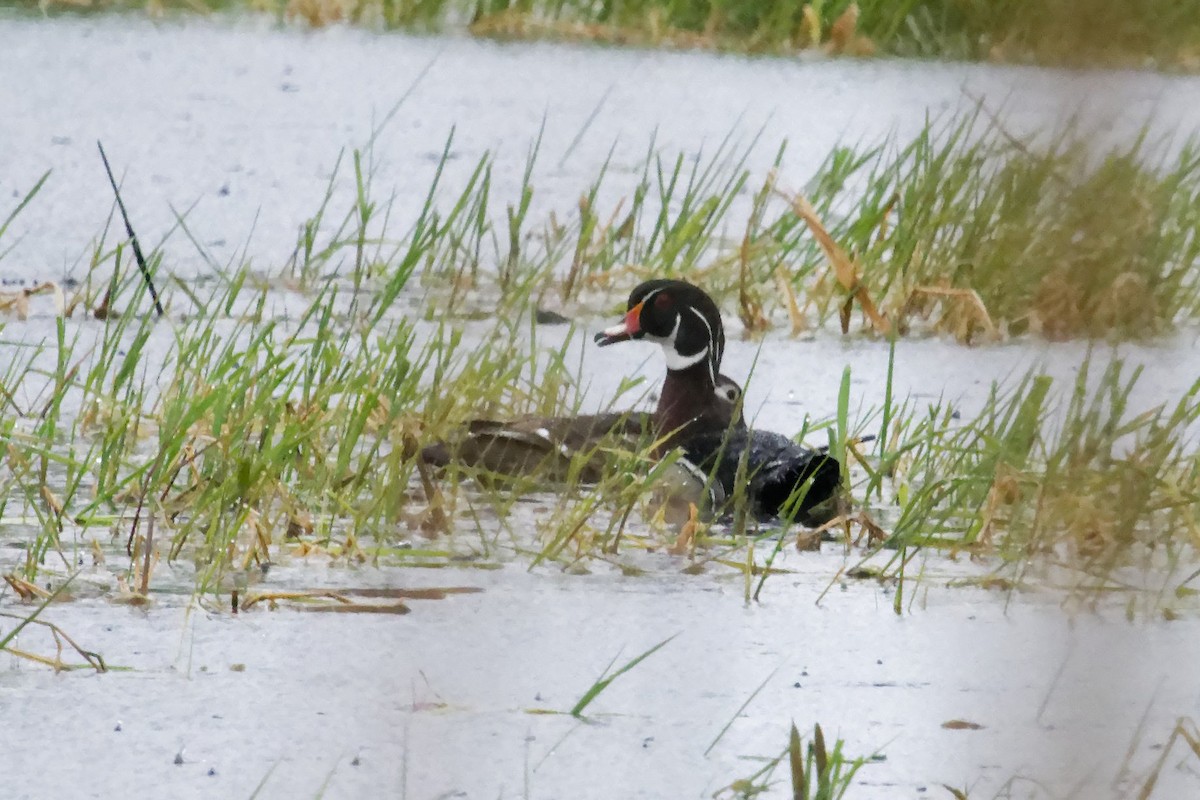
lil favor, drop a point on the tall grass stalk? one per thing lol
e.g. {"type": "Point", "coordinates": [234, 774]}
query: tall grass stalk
{"type": "Point", "coordinates": [606, 678]}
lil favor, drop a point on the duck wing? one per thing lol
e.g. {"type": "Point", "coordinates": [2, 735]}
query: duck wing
{"type": "Point", "coordinates": [543, 446]}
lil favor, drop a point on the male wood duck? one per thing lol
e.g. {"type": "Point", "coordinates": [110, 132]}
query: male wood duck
{"type": "Point", "coordinates": [699, 410]}
{"type": "Point", "coordinates": [695, 397]}
{"type": "Point", "coordinates": [782, 478]}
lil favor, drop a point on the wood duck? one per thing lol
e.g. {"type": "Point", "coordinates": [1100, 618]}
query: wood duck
{"type": "Point", "coordinates": [783, 479]}
{"type": "Point", "coordinates": [695, 397]}
{"type": "Point", "coordinates": [699, 410]}
{"type": "Point", "coordinates": [549, 446]}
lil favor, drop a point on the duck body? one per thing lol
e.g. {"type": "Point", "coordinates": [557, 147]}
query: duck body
{"type": "Point", "coordinates": [695, 398]}
{"type": "Point", "coordinates": [544, 446]}
{"type": "Point", "coordinates": [558, 449]}
{"type": "Point", "coordinates": [781, 479]}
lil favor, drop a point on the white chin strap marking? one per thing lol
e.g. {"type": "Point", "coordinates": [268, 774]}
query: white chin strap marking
{"type": "Point", "coordinates": [675, 359]}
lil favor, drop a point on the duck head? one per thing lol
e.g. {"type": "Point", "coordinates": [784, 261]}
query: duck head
{"type": "Point", "coordinates": [729, 402]}
{"type": "Point", "coordinates": [678, 316]}
{"type": "Point", "coordinates": [686, 322]}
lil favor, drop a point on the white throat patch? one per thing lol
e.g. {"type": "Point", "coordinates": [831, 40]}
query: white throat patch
{"type": "Point", "coordinates": [676, 360]}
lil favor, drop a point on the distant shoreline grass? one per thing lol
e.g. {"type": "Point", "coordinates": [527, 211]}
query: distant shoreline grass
{"type": "Point", "coordinates": [1160, 34]}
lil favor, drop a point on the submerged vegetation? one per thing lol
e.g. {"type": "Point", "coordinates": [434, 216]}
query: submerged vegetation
{"type": "Point", "coordinates": [1162, 32]}
{"type": "Point", "coordinates": [284, 408]}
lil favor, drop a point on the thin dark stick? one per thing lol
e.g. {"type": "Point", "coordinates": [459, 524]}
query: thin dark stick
{"type": "Point", "coordinates": [137, 248]}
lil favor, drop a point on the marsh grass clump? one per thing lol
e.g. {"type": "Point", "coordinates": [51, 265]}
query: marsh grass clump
{"type": "Point", "coordinates": [963, 230]}
{"type": "Point", "coordinates": [226, 428]}
{"type": "Point", "coordinates": [976, 232]}
{"type": "Point", "coordinates": [285, 408]}
{"type": "Point", "coordinates": [816, 772]}
{"type": "Point", "coordinates": [490, 256]}
{"type": "Point", "coordinates": [1045, 478]}
{"type": "Point", "coordinates": [259, 432]}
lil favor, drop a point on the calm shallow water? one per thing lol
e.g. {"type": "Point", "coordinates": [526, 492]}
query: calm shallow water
{"type": "Point", "coordinates": [437, 703]}
{"type": "Point", "coordinates": [246, 121]}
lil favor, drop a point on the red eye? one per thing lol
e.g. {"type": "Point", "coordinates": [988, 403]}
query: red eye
{"type": "Point", "coordinates": [663, 301]}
